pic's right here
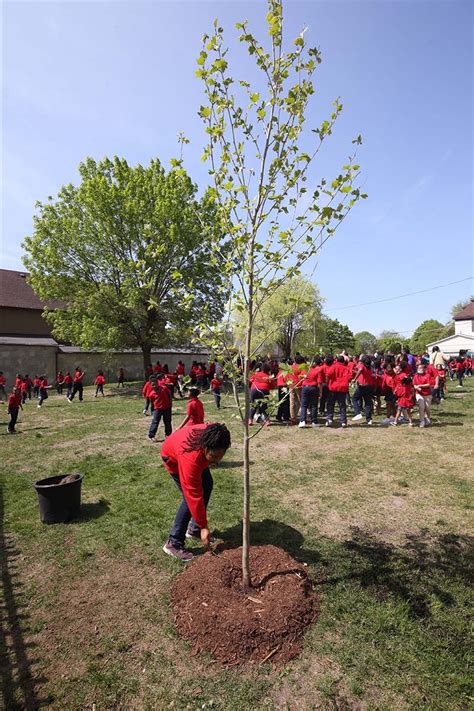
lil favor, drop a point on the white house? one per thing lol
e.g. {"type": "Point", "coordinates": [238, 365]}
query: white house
{"type": "Point", "coordinates": [463, 339]}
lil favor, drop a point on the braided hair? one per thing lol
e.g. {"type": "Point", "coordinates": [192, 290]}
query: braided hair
{"type": "Point", "coordinates": [215, 436]}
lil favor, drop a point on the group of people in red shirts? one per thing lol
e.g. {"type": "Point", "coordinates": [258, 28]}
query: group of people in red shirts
{"type": "Point", "coordinates": [306, 390]}
{"type": "Point", "coordinates": [159, 391]}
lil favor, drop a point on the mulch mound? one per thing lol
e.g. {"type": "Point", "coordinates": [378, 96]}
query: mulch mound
{"type": "Point", "coordinates": [214, 614]}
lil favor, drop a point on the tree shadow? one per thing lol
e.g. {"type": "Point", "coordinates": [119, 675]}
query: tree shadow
{"type": "Point", "coordinates": [231, 464]}
{"type": "Point", "coordinates": [91, 511]}
{"type": "Point", "coordinates": [413, 572]}
{"type": "Point", "coordinates": [416, 572]}
{"type": "Point", "coordinates": [18, 683]}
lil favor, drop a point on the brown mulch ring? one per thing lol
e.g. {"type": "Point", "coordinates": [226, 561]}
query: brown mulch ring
{"type": "Point", "coordinates": [266, 623]}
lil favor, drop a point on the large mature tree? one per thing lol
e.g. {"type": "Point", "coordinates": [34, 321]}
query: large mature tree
{"type": "Point", "coordinates": [365, 342]}
{"type": "Point", "coordinates": [128, 251]}
{"type": "Point", "coordinates": [391, 341]}
{"type": "Point", "coordinates": [336, 336]}
{"type": "Point", "coordinates": [289, 320]}
{"type": "Point", "coordinates": [260, 161]}
{"type": "Point", "coordinates": [428, 331]}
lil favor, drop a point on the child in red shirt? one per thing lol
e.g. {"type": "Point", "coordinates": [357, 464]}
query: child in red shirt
{"type": "Point", "coordinates": [260, 386]}
{"type": "Point", "coordinates": [3, 392]}
{"type": "Point", "coordinates": [216, 384]}
{"type": "Point", "coordinates": [403, 389]}
{"type": "Point", "coordinates": [68, 382]}
{"type": "Point", "coordinates": [36, 386]}
{"type": "Point", "coordinates": [422, 382]}
{"type": "Point", "coordinates": [187, 455]}
{"type": "Point", "coordinates": [146, 392]}
{"type": "Point", "coordinates": [77, 384]}
{"type": "Point", "coordinates": [43, 390]}
{"type": "Point", "coordinates": [194, 410]}
{"type": "Point", "coordinates": [14, 406]}
{"type": "Point", "coordinates": [459, 371]}
{"type": "Point", "coordinates": [99, 382]}
{"type": "Point", "coordinates": [161, 403]}
{"type": "Point", "coordinates": [24, 390]}
{"type": "Point", "coordinates": [338, 377]}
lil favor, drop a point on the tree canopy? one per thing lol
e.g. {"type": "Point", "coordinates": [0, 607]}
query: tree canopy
{"type": "Point", "coordinates": [289, 320]}
{"type": "Point", "coordinates": [365, 342]}
{"type": "Point", "coordinates": [128, 252]}
{"type": "Point", "coordinates": [336, 336]}
{"type": "Point", "coordinates": [391, 341]}
{"type": "Point", "coordinates": [428, 331]}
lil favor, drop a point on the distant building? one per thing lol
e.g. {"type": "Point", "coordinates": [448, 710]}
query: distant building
{"type": "Point", "coordinates": [27, 346]}
{"type": "Point", "coordinates": [463, 338]}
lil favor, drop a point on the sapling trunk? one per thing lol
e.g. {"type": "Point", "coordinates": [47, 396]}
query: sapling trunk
{"type": "Point", "coordinates": [246, 581]}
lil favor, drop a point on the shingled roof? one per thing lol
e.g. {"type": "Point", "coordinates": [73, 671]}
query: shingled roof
{"type": "Point", "coordinates": [466, 313]}
{"type": "Point", "coordinates": [16, 292]}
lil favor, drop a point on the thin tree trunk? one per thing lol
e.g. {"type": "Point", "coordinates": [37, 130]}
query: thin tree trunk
{"type": "Point", "coordinates": [246, 581]}
{"type": "Point", "coordinates": [146, 350]}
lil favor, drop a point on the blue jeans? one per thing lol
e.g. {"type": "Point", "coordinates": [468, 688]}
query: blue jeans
{"type": "Point", "coordinates": [323, 400]}
{"type": "Point", "coordinates": [183, 516]}
{"type": "Point", "coordinates": [157, 415]}
{"type": "Point", "coordinates": [339, 398]}
{"type": "Point", "coordinates": [309, 401]}
{"type": "Point", "coordinates": [363, 394]}
{"type": "Point", "coordinates": [217, 398]}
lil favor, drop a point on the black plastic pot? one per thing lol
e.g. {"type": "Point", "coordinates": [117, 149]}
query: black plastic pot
{"type": "Point", "coordinates": [58, 502]}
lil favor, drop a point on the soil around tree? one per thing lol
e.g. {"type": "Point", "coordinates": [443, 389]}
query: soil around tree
{"type": "Point", "coordinates": [266, 623]}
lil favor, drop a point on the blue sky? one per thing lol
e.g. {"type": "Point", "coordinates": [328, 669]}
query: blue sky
{"type": "Point", "coordinates": [117, 78]}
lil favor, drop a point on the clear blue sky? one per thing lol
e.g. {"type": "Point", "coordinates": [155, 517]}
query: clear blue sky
{"type": "Point", "coordinates": [106, 78]}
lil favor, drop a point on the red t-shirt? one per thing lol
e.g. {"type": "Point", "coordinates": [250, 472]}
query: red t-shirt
{"type": "Point", "coordinates": [43, 384]}
{"type": "Point", "coordinates": [314, 376]}
{"type": "Point", "coordinates": [298, 372]}
{"type": "Point", "coordinates": [36, 381]}
{"type": "Point", "coordinates": [100, 380]}
{"type": "Point", "coordinates": [365, 376]}
{"type": "Point", "coordinates": [160, 398]}
{"type": "Point", "coordinates": [260, 381]}
{"type": "Point", "coordinates": [14, 401]}
{"type": "Point", "coordinates": [67, 378]}
{"type": "Point", "coordinates": [338, 377]}
{"type": "Point", "coordinates": [24, 386]}
{"type": "Point", "coordinates": [18, 382]}
{"type": "Point", "coordinates": [195, 412]}
{"type": "Point", "coordinates": [179, 369]}
{"type": "Point", "coordinates": [425, 380]}
{"type": "Point", "coordinates": [388, 383]}
{"type": "Point", "coordinates": [60, 378]}
{"type": "Point", "coordinates": [78, 375]}
{"type": "Point", "coordinates": [189, 466]}
{"type": "Point", "coordinates": [216, 384]}
{"type": "Point", "coordinates": [460, 365]}
{"type": "Point", "coordinates": [147, 389]}
{"type": "Point", "coordinates": [157, 369]}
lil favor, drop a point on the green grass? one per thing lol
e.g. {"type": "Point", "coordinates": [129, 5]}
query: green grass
{"type": "Point", "coordinates": [380, 516]}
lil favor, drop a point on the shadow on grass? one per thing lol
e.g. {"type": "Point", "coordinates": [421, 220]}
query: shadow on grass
{"type": "Point", "coordinates": [91, 511]}
{"type": "Point", "coordinates": [17, 680]}
{"type": "Point", "coordinates": [231, 464]}
{"type": "Point", "coordinates": [417, 572]}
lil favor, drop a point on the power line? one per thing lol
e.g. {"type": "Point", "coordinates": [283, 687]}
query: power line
{"type": "Point", "coordinates": [401, 296]}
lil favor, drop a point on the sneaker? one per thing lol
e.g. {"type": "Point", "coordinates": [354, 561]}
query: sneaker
{"type": "Point", "coordinates": [176, 552]}
{"type": "Point", "coordinates": [302, 424]}
{"type": "Point", "coordinates": [410, 424]}
{"type": "Point", "coordinates": [328, 423]}
{"type": "Point", "coordinates": [356, 418]}
{"type": "Point", "coordinates": [145, 412]}
{"type": "Point", "coordinates": [394, 423]}
{"type": "Point", "coordinates": [422, 424]}
{"type": "Point", "coordinates": [152, 439]}
{"type": "Point", "coordinates": [69, 399]}
{"type": "Point", "coordinates": [427, 421]}
{"type": "Point", "coordinates": [343, 424]}
{"type": "Point", "coordinates": [369, 422]}
{"type": "Point", "coordinates": [38, 405]}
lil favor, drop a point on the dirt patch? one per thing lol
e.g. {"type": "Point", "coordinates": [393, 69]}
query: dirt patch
{"type": "Point", "coordinates": [213, 613]}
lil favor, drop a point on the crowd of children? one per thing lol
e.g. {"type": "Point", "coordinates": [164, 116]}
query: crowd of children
{"type": "Point", "coordinates": [306, 390]}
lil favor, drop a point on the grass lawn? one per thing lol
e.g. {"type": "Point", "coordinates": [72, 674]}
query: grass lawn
{"type": "Point", "coordinates": [381, 516]}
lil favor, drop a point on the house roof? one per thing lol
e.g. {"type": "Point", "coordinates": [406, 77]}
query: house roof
{"type": "Point", "coordinates": [27, 341]}
{"type": "Point", "coordinates": [454, 337]}
{"type": "Point", "coordinates": [466, 313]}
{"type": "Point", "coordinates": [16, 292]}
